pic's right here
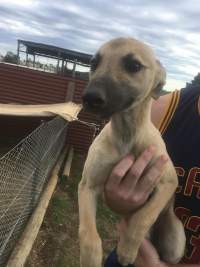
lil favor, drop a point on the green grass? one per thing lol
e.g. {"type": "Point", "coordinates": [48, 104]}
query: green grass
{"type": "Point", "coordinates": [59, 206]}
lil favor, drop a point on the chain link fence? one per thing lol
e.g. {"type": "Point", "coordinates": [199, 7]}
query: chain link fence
{"type": "Point", "coordinates": [24, 171]}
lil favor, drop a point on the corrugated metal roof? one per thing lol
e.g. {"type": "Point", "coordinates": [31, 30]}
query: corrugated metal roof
{"type": "Point", "coordinates": [54, 51]}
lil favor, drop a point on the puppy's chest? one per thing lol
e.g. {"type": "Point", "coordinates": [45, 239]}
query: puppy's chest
{"type": "Point", "coordinates": [138, 142]}
{"type": "Point", "coordinates": [135, 146]}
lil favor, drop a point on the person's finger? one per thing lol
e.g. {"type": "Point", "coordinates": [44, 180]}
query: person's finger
{"type": "Point", "coordinates": [135, 172]}
{"type": "Point", "coordinates": [119, 171]}
{"type": "Point", "coordinates": [151, 178]}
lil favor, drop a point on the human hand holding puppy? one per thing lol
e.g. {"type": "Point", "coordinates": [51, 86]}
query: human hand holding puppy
{"type": "Point", "coordinates": [148, 256]}
{"type": "Point", "coordinates": [127, 187]}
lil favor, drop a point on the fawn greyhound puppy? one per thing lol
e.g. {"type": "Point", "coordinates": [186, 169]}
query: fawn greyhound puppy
{"type": "Point", "coordinates": [124, 77]}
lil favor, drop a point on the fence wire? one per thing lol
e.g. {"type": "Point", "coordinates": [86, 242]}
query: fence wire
{"type": "Point", "coordinates": [24, 171]}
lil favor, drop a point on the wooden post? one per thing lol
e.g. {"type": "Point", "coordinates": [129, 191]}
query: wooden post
{"type": "Point", "coordinates": [62, 68]}
{"type": "Point", "coordinates": [68, 164]}
{"type": "Point", "coordinates": [18, 58]}
{"type": "Point", "coordinates": [26, 58]}
{"type": "Point", "coordinates": [70, 91]}
{"type": "Point", "coordinates": [34, 60]}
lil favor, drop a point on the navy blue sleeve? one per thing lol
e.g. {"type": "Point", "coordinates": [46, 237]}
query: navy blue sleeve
{"type": "Point", "coordinates": [112, 261]}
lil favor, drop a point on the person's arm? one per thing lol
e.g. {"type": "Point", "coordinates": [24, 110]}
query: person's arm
{"type": "Point", "coordinates": [182, 265]}
{"type": "Point", "coordinates": [147, 256]}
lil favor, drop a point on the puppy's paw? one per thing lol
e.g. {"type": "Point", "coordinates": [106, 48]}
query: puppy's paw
{"type": "Point", "coordinates": [90, 251]}
{"type": "Point", "coordinates": [126, 255]}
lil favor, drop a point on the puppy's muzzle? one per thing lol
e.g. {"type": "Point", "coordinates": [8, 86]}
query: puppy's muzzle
{"type": "Point", "coordinates": [94, 100]}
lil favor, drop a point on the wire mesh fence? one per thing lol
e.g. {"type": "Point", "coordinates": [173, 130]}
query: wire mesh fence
{"type": "Point", "coordinates": [24, 171]}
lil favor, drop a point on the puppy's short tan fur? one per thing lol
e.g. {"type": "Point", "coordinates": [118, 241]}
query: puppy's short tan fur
{"type": "Point", "coordinates": [127, 70]}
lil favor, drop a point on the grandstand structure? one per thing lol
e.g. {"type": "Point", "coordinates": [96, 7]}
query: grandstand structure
{"type": "Point", "coordinates": [64, 57]}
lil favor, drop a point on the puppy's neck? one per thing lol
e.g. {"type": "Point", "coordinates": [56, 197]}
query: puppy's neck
{"type": "Point", "coordinates": [127, 125]}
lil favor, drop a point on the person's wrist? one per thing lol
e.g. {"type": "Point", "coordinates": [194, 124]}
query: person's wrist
{"type": "Point", "coordinates": [162, 264]}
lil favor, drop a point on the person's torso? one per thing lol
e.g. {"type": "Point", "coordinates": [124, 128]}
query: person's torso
{"type": "Point", "coordinates": [181, 132]}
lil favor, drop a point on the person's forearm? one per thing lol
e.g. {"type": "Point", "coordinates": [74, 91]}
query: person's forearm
{"type": "Point", "coordinates": [182, 265]}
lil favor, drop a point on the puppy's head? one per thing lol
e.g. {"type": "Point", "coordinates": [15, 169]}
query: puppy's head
{"type": "Point", "coordinates": [123, 73]}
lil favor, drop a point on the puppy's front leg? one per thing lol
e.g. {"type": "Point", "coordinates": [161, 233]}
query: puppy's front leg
{"type": "Point", "coordinates": [90, 242]}
{"type": "Point", "coordinates": [141, 222]}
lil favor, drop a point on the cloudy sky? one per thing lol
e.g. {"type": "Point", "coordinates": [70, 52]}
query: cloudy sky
{"type": "Point", "coordinates": [170, 27]}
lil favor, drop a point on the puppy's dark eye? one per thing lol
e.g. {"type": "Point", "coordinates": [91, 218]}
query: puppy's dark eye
{"type": "Point", "coordinates": [132, 65]}
{"type": "Point", "coordinates": [94, 62]}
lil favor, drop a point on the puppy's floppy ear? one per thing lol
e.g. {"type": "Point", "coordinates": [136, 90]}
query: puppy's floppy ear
{"type": "Point", "coordinates": [160, 80]}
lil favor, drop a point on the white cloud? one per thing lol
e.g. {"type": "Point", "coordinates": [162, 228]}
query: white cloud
{"type": "Point", "coordinates": [19, 27]}
{"type": "Point", "coordinates": [182, 52]}
{"type": "Point", "coordinates": [5, 47]}
{"type": "Point", "coordinates": [167, 16]}
{"type": "Point", "coordinates": [70, 7]}
{"type": "Point", "coordinates": [190, 70]}
{"type": "Point", "coordinates": [173, 84]}
{"type": "Point", "coordinates": [160, 14]}
{"type": "Point", "coordinates": [62, 26]}
{"type": "Point", "coordinates": [20, 3]}
{"type": "Point", "coordinates": [170, 28]}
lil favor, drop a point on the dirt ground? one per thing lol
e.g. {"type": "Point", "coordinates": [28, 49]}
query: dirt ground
{"type": "Point", "coordinates": [57, 242]}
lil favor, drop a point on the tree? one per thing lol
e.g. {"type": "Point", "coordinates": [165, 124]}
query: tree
{"type": "Point", "coordinates": [10, 57]}
{"type": "Point", "coordinates": [1, 58]}
{"type": "Point", "coordinates": [195, 81]}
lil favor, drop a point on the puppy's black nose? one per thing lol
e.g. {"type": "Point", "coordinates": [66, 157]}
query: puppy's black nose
{"type": "Point", "coordinates": [94, 100]}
